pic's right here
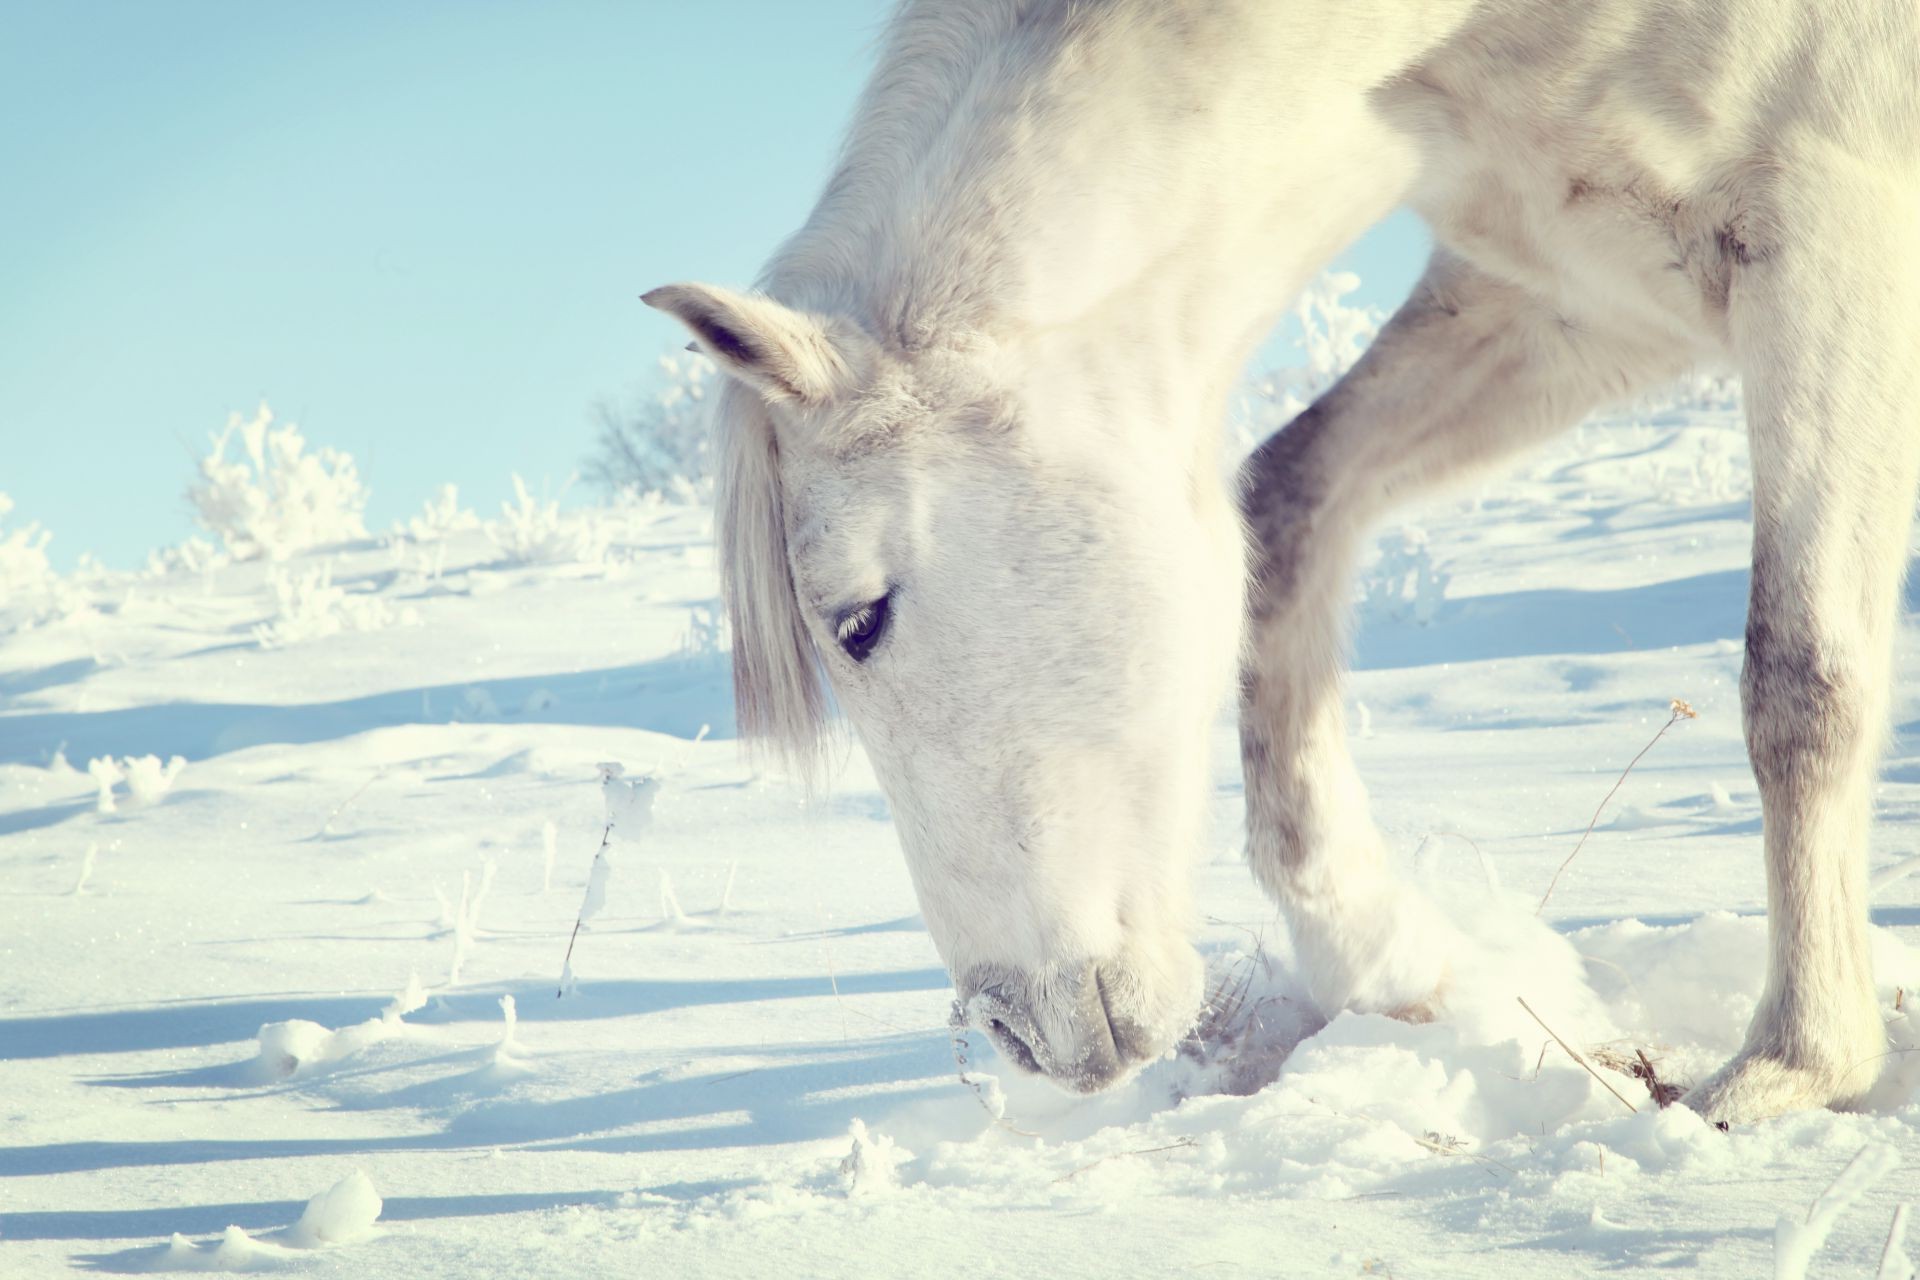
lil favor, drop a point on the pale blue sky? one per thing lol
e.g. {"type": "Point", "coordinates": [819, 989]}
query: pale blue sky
{"type": "Point", "coordinates": [419, 230]}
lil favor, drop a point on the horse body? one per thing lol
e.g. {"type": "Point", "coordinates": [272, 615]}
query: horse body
{"type": "Point", "coordinates": [968, 453]}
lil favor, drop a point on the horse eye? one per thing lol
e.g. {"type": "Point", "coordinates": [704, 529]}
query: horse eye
{"type": "Point", "coordinates": [860, 630]}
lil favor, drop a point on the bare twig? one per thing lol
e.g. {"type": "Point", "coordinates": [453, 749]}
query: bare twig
{"type": "Point", "coordinates": [606, 837]}
{"type": "Point", "coordinates": [1448, 1145]}
{"type": "Point", "coordinates": [957, 1038]}
{"type": "Point", "coordinates": [1681, 711]}
{"type": "Point", "coordinates": [1576, 1055]}
{"type": "Point", "coordinates": [1181, 1145]}
{"type": "Point", "coordinates": [1665, 1093]}
{"type": "Point", "coordinates": [326, 828]}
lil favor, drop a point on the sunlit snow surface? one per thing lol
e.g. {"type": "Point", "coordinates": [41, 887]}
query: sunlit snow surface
{"type": "Point", "coordinates": [753, 1074]}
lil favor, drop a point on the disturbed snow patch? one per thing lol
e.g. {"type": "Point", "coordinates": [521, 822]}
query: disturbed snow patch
{"type": "Point", "coordinates": [1267, 1098]}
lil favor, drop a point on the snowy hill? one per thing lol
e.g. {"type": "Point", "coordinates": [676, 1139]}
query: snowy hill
{"type": "Point", "coordinates": [328, 941]}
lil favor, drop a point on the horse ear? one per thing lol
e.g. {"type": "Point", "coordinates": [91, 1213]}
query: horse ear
{"type": "Point", "coordinates": [786, 354]}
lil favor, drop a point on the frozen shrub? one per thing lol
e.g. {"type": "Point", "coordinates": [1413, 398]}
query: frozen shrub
{"type": "Point", "coordinates": [309, 606]}
{"type": "Point", "coordinates": [279, 498]}
{"type": "Point", "coordinates": [195, 555]}
{"type": "Point", "coordinates": [441, 516]}
{"type": "Point", "coordinates": [106, 775]}
{"type": "Point", "coordinates": [1404, 584]}
{"type": "Point", "coordinates": [535, 532]}
{"type": "Point", "coordinates": [148, 780]}
{"type": "Point", "coordinates": [23, 557]}
{"type": "Point", "coordinates": [658, 442]}
{"type": "Point", "coordinates": [1330, 336]}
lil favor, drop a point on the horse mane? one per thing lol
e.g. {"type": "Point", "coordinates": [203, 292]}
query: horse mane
{"type": "Point", "coordinates": [780, 702]}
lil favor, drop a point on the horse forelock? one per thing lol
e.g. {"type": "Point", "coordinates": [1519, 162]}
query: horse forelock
{"type": "Point", "coordinates": [780, 704]}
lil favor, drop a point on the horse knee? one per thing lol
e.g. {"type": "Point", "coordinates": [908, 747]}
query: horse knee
{"type": "Point", "coordinates": [1811, 691]}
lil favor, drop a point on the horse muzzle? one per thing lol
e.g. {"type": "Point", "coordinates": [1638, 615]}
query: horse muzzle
{"type": "Point", "coordinates": [1081, 1029]}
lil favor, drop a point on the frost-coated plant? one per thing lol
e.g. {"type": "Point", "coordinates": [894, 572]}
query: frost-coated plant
{"type": "Point", "coordinates": [195, 555]}
{"type": "Point", "coordinates": [707, 639]}
{"type": "Point", "coordinates": [147, 779]}
{"type": "Point", "coordinates": [532, 531]}
{"type": "Point", "coordinates": [1404, 584]}
{"type": "Point", "coordinates": [658, 443]}
{"type": "Point", "coordinates": [442, 515]}
{"type": "Point", "coordinates": [23, 557]}
{"type": "Point", "coordinates": [309, 606]}
{"type": "Point", "coordinates": [1330, 335]}
{"type": "Point", "coordinates": [279, 498]}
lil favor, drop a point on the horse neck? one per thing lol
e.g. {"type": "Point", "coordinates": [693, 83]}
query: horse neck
{"type": "Point", "coordinates": [1134, 189]}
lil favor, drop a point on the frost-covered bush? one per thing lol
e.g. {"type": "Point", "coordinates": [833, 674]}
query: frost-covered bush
{"type": "Point", "coordinates": [657, 443]}
{"type": "Point", "coordinates": [309, 606]}
{"type": "Point", "coordinates": [531, 531]}
{"type": "Point", "coordinates": [279, 498]}
{"type": "Point", "coordinates": [442, 515]}
{"type": "Point", "coordinates": [195, 555]}
{"type": "Point", "coordinates": [1404, 584]}
{"type": "Point", "coordinates": [23, 557]}
{"type": "Point", "coordinates": [1330, 335]}
{"type": "Point", "coordinates": [147, 779]}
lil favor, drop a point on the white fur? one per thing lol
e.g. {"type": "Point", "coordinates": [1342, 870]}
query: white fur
{"type": "Point", "coordinates": [988, 374]}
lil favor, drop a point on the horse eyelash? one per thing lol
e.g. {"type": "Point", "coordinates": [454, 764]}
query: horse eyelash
{"type": "Point", "coordinates": [852, 622]}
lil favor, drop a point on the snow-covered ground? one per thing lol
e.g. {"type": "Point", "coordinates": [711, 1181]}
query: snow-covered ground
{"type": "Point", "coordinates": [320, 957]}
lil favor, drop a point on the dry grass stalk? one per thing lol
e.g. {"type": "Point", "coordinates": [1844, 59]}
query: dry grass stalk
{"type": "Point", "coordinates": [1636, 1063]}
{"type": "Point", "coordinates": [1576, 1055]}
{"type": "Point", "coordinates": [1445, 1144]}
{"type": "Point", "coordinates": [1665, 1093]}
{"type": "Point", "coordinates": [1181, 1145]}
{"type": "Point", "coordinates": [1681, 710]}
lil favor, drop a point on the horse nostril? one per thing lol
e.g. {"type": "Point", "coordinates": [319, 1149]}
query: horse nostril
{"type": "Point", "coordinates": [1012, 1045]}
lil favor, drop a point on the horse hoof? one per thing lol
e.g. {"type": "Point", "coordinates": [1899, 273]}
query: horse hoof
{"type": "Point", "coordinates": [1759, 1086]}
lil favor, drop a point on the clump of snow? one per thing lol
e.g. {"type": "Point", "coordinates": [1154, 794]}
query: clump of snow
{"type": "Point", "coordinates": [278, 499]}
{"type": "Point", "coordinates": [298, 1047]}
{"type": "Point", "coordinates": [342, 1214]}
{"type": "Point", "coordinates": [869, 1168]}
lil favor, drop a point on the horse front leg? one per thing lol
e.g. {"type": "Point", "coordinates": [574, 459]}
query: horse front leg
{"type": "Point", "coordinates": [1828, 327]}
{"type": "Point", "coordinates": [1469, 370]}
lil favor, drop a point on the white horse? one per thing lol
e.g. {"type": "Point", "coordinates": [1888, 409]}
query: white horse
{"type": "Point", "coordinates": [968, 450]}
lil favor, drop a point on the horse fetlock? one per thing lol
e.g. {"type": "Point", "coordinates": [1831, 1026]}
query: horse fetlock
{"type": "Point", "coordinates": [1796, 1062]}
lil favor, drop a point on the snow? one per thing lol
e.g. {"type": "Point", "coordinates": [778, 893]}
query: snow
{"type": "Point", "coordinates": [322, 953]}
